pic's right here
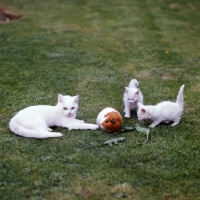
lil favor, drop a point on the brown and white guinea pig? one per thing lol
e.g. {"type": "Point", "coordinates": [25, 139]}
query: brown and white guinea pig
{"type": "Point", "coordinates": [109, 119]}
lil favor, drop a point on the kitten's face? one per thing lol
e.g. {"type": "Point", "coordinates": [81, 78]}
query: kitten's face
{"type": "Point", "coordinates": [68, 105]}
{"type": "Point", "coordinates": [142, 112]}
{"type": "Point", "coordinates": [132, 94]}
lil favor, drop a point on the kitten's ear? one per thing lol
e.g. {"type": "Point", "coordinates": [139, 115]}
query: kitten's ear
{"type": "Point", "coordinates": [137, 92]}
{"type": "Point", "coordinates": [143, 110]}
{"type": "Point", "coordinates": [60, 98]}
{"type": "Point", "coordinates": [76, 98]}
{"type": "Point", "coordinates": [126, 89]}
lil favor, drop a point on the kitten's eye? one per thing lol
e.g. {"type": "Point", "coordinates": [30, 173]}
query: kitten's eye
{"type": "Point", "coordinates": [64, 108]}
{"type": "Point", "coordinates": [72, 108]}
{"type": "Point", "coordinates": [106, 121]}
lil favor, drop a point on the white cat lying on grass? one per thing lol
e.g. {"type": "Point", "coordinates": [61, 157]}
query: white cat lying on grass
{"type": "Point", "coordinates": [163, 112]}
{"type": "Point", "coordinates": [35, 121]}
{"type": "Point", "coordinates": [132, 96]}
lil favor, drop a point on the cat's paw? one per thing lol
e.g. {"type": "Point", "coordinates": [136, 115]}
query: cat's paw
{"type": "Point", "coordinates": [95, 127]}
{"type": "Point", "coordinates": [59, 134]}
{"type": "Point", "coordinates": [174, 124]}
{"type": "Point", "coordinates": [79, 121]}
{"type": "Point", "coordinates": [127, 116]}
{"type": "Point", "coordinates": [56, 134]}
{"type": "Point", "coordinates": [152, 126]}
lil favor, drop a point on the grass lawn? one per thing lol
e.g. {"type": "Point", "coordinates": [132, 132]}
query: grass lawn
{"type": "Point", "coordinates": [93, 49]}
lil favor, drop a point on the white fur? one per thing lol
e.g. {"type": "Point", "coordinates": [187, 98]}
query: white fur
{"type": "Point", "coordinates": [132, 96]}
{"type": "Point", "coordinates": [166, 111]}
{"type": "Point", "coordinates": [35, 121]}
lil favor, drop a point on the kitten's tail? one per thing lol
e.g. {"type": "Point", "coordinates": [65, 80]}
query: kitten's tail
{"type": "Point", "coordinates": [40, 134]}
{"type": "Point", "coordinates": [133, 83]}
{"type": "Point", "coordinates": [180, 98]}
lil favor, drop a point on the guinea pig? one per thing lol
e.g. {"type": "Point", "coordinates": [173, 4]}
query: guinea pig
{"type": "Point", "coordinates": [109, 119]}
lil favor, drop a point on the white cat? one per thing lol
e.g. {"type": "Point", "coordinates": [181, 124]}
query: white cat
{"type": "Point", "coordinates": [35, 121]}
{"type": "Point", "coordinates": [132, 96]}
{"type": "Point", "coordinates": [166, 111]}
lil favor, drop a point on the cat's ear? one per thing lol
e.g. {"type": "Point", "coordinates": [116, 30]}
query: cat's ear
{"type": "Point", "coordinates": [76, 98]}
{"type": "Point", "coordinates": [143, 110]}
{"type": "Point", "coordinates": [60, 98]}
{"type": "Point", "coordinates": [126, 89]}
{"type": "Point", "coordinates": [137, 92]}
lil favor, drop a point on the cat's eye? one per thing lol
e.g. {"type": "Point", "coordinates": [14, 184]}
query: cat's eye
{"type": "Point", "coordinates": [72, 108]}
{"type": "Point", "coordinates": [106, 121]}
{"type": "Point", "coordinates": [64, 108]}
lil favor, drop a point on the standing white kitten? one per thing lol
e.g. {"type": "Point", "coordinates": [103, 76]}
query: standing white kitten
{"type": "Point", "coordinates": [166, 111]}
{"type": "Point", "coordinates": [132, 96]}
{"type": "Point", "coordinates": [35, 121]}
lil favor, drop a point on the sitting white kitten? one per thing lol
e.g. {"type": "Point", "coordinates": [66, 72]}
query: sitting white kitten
{"type": "Point", "coordinates": [132, 97]}
{"type": "Point", "coordinates": [163, 112]}
{"type": "Point", "coordinates": [35, 121]}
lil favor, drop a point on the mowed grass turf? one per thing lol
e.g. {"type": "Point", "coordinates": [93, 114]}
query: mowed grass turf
{"type": "Point", "coordinates": [93, 49]}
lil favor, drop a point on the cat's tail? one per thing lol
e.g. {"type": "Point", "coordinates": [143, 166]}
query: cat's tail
{"type": "Point", "coordinates": [180, 98]}
{"type": "Point", "coordinates": [133, 83]}
{"type": "Point", "coordinates": [22, 131]}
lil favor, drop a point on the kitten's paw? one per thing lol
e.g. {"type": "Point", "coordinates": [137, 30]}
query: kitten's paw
{"type": "Point", "coordinates": [80, 121]}
{"type": "Point", "coordinates": [127, 116]}
{"type": "Point", "coordinates": [152, 126]}
{"type": "Point", "coordinates": [174, 124]}
{"type": "Point", "coordinates": [49, 129]}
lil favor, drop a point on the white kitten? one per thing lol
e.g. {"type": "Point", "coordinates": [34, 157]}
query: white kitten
{"type": "Point", "coordinates": [163, 112]}
{"type": "Point", "coordinates": [132, 97]}
{"type": "Point", "coordinates": [35, 121]}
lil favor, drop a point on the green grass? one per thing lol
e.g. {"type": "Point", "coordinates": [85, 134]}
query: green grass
{"type": "Point", "coordinates": [94, 48]}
